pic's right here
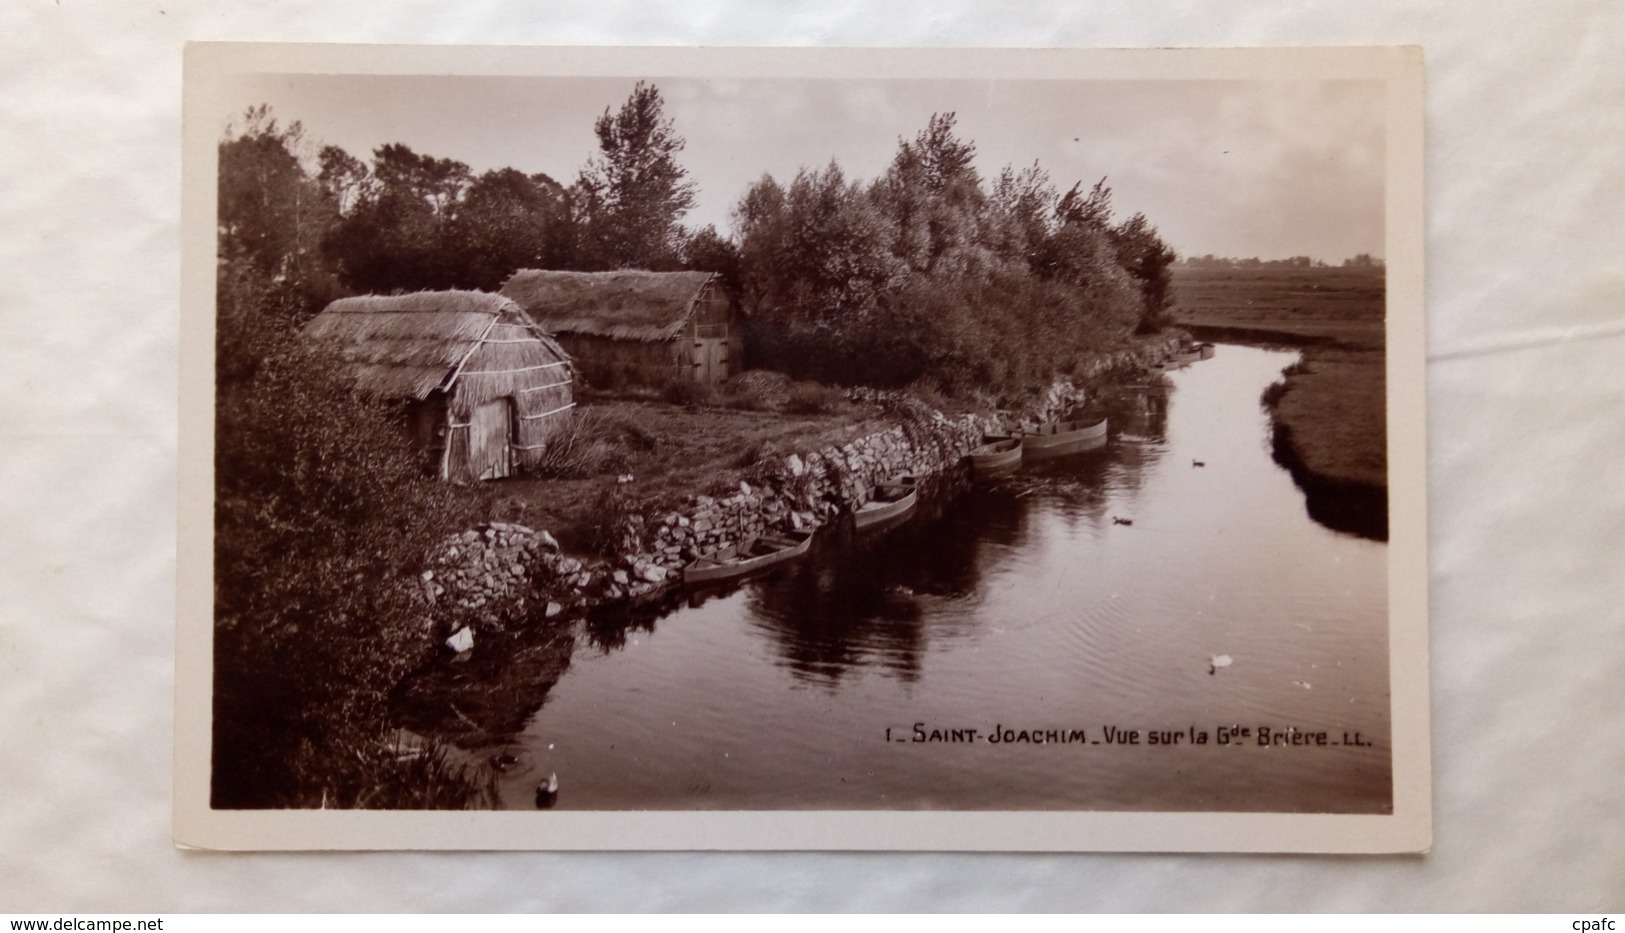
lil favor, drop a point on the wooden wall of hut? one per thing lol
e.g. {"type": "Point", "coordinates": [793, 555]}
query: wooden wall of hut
{"type": "Point", "coordinates": [532, 383]}
{"type": "Point", "coordinates": [608, 363]}
{"type": "Point", "coordinates": [711, 348]}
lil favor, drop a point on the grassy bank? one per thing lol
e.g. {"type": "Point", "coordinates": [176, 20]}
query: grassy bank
{"type": "Point", "coordinates": [658, 450]}
{"type": "Point", "coordinates": [1330, 410]}
{"type": "Point", "coordinates": [1333, 405]}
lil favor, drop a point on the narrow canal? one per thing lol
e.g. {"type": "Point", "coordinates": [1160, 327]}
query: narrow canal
{"type": "Point", "coordinates": [1215, 609]}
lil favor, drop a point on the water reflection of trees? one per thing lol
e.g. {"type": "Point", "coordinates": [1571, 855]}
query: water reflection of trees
{"type": "Point", "coordinates": [860, 600]}
{"type": "Point", "coordinates": [1139, 412]}
{"type": "Point", "coordinates": [608, 627]}
{"type": "Point", "coordinates": [864, 600]}
{"type": "Point", "coordinates": [1078, 486]}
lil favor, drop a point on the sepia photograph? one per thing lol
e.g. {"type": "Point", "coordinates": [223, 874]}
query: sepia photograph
{"type": "Point", "coordinates": [802, 449]}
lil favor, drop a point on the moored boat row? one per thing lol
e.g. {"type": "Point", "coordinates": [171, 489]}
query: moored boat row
{"type": "Point", "coordinates": [1188, 354]}
{"type": "Point", "coordinates": [1000, 453]}
{"type": "Point", "coordinates": [889, 501]}
{"type": "Point", "coordinates": [896, 498]}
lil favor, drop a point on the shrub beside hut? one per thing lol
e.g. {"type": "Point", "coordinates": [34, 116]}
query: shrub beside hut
{"type": "Point", "coordinates": [484, 387]}
{"type": "Point", "coordinates": [636, 327]}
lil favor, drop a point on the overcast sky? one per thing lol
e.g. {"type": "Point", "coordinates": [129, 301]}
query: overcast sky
{"type": "Point", "coordinates": [1232, 168]}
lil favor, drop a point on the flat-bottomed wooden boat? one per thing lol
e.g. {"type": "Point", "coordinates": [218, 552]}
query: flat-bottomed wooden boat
{"type": "Point", "coordinates": [997, 453]}
{"type": "Point", "coordinates": [887, 501]}
{"type": "Point", "coordinates": [756, 554]}
{"type": "Point", "coordinates": [1063, 437]}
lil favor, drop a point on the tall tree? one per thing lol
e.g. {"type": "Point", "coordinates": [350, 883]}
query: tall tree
{"type": "Point", "coordinates": [632, 195]}
{"type": "Point", "coordinates": [1147, 258]}
{"type": "Point", "coordinates": [706, 250]}
{"type": "Point", "coordinates": [507, 221]}
{"type": "Point", "coordinates": [272, 219]}
{"type": "Point", "coordinates": [345, 179]}
{"type": "Point", "coordinates": [815, 253]}
{"type": "Point", "coordinates": [271, 213]}
{"type": "Point", "coordinates": [945, 157]}
{"type": "Point", "coordinates": [933, 197]}
{"type": "Point", "coordinates": [399, 233]}
{"type": "Point", "coordinates": [1022, 206]}
{"type": "Point", "coordinates": [1079, 250]}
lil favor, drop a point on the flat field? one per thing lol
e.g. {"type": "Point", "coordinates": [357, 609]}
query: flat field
{"type": "Point", "coordinates": [1330, 411]}
{"type": "Point", "coordinates": [1334, 305]}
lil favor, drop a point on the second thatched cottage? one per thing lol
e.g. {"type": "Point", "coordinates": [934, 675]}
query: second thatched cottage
{"type": "Point", "coordinates": [483, 386]}
{"type": "Point", "coordinates": [630, 326]}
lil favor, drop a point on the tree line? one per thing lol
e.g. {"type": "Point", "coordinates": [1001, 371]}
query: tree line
{"type": "Point", "coordinates": [930, 274]}
{"type": "Point", "coordinates": [927, 272]}
{"type": "Point", "coordinates": [326, 223]}
{"type": "Point", "coordinates": [1210, 261]}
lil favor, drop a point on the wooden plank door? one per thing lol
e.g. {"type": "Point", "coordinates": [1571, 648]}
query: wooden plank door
{"type": "Point", "coordinates": [710, 360]}
{"type": "Point", "coordinates": [491, 439]}
{"type": "Point", "coordinates": [719, 360]}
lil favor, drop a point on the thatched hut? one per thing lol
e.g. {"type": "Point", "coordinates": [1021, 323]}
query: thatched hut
{"type": "Point", "coordinates": [631, 326]}
{"type": "Point", "coordinates": [484, 386]}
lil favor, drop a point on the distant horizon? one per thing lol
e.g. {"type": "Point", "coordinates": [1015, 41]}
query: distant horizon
{"type": "Point", "coordinates": [1238, 169]}
{"type": "Point", "coordinates": [1183, 259]}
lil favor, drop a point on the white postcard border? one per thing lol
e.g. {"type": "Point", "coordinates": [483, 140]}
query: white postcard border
{"type": "Point", "coordinates": [1407, 829]}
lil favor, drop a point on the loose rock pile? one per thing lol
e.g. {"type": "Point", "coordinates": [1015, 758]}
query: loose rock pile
{"type": "Point", "coordinates": [488, 575]}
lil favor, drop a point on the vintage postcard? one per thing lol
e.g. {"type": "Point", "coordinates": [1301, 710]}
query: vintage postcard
{"type": "Point", "coordinates": [877, 449]}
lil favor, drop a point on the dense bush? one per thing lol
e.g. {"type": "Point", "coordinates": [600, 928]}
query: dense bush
{"type": "Point", "coordinates": [926, 274]}
{"type": "Point", "coordinates": [617, 525]}
{"type": "Point", "coordinates": [811, 398]}
{"type": "Point", "coordinates": [322, 518]}
{"type": "Point", "coordinates": [687, 392]}
{"type": "Point", "coordinates": [746, 397]}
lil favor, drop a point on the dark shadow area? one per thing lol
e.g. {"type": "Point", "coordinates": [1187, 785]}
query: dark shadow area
{"type": "Point", "coordinates": [487, 697]}
{"type": "Point", "coordinates": [858, 599]}
{"type": "Point", "coordinates": [1358, 509]}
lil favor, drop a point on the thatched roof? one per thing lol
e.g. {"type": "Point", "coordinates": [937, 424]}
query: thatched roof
{"type": "Point", "coordinates": [626, 305]}
{"type": "Point", "coordinates": [406, 346]}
